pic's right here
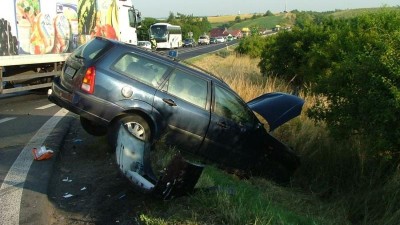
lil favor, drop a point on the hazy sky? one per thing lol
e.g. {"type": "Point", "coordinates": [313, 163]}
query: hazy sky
{"type": "Point", "coordinates": [162, 8]}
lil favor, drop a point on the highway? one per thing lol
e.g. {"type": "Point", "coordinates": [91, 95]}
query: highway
{"type": "Point", "coordinates": [28, 120]}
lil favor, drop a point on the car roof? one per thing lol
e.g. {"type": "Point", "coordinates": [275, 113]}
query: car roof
{"type": "Point", "coordinates": [163, 58]}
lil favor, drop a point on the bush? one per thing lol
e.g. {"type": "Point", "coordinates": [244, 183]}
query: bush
{"type": "Point", "coordinates": [361, 85]}
{"type": "Point", "coordinates": [252, 46]}
{"type": "Point", "coordinates": [353, 64]}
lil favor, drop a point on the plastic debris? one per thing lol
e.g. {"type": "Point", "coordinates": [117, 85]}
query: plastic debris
{"type": "Point", "coordinates": [67, 195]}
{"type": "Point", "coordinates": [42, 153]}
{"type": "Point", "coordinates": [84, 188]}
{"type": "Point", "coordinates": [67, 180]}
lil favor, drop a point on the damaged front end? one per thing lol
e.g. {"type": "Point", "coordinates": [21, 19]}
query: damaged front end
{"type": "Point", "coordinates": [178, 178]}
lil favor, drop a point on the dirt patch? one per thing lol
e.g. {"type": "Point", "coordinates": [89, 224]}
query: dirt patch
{"type": "Point", "coordinates": [99, 194]}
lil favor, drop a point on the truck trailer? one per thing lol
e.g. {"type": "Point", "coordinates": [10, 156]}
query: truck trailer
{"type": "Point", "coordinates": [36, 36]}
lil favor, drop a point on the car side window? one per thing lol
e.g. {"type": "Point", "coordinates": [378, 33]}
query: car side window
{"type": "Point", "coordinates": [140, 68]}
{"type": "Point", "coordinates": [228, 105]}
{"type": "Point", "coordinates": [187, 87]}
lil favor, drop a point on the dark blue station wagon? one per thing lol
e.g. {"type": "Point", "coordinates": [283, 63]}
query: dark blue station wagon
{"type": "Point", "coordinates": [112, 85]}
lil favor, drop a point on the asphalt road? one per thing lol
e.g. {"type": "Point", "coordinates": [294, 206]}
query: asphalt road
{"type": "Point", "coordinates": [28, 120]}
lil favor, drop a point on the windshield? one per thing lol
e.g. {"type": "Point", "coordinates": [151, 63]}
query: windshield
{"type": "Point", "coordinates": [159, 32]}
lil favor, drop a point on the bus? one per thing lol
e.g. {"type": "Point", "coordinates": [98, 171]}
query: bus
{"type": "Point", "coordinates": [166, 35]}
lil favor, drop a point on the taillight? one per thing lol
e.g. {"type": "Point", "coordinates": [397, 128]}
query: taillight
{"type": "Point", "coordinates": [88, 80]}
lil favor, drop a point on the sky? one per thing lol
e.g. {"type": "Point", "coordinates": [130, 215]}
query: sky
{"type": "Point", "coordinates": [162, 8]}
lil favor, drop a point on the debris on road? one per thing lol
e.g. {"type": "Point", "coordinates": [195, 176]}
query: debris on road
{"type": "Point", "coordinates": [68, 195]}
{"type": "Point", "coordinates": [67, 180]}
{"type": "Point", "coordinates": [42, 153]}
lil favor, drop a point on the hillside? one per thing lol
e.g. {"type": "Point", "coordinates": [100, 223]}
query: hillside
{"type": "Point", "coordinates": [263, 22]}
{"type": "Point", "coordinates": [355, 12]}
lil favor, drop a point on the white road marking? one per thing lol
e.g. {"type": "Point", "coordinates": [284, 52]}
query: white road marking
{"type": "Point", "coordinates": [46, 106]}
{"type": "Point", "coordinates": [7, 119]}
{"type": "Point", "coordinates": [13, 184]}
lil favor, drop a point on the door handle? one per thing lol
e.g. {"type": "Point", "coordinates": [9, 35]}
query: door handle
{"type": "Point", "coordinates": [169, 101]}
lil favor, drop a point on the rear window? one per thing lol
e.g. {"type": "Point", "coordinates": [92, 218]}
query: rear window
{"type": "Point", "coordinates": [93, 49]}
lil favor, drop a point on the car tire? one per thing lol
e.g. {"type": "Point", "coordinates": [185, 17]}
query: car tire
{"type": "Point", "coordinates": [137, 126]}
{"type": "Point", "coordinates": [92, 128]}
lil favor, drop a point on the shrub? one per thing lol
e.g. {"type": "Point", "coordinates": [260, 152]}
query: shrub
{"type": "Point", "coordinates": [252, 46]}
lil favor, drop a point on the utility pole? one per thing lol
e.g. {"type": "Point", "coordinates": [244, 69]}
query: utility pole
{"type": "Point", "coordinates": [285, 6]}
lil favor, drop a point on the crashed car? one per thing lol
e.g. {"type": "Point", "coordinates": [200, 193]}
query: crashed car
{"type": "Point", "coordinates": [136, 97]}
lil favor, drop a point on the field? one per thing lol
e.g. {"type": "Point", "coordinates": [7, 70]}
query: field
{"type": "Point", "coordinates": [262, 22]}
{"type": "Point", "coordinates": [227, 18]}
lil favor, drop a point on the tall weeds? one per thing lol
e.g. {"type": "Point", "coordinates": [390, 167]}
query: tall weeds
{"type": "Point", "coordinates": [341, 172]}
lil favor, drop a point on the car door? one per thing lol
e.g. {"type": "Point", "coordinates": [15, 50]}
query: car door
{"type": "Point", "coordinates": [183, 103]}
{"type": "Point", "coordinates": [234, 133]}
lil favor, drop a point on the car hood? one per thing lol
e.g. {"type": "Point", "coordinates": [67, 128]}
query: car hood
{"type": "Point", "coordinates": [277, 108]}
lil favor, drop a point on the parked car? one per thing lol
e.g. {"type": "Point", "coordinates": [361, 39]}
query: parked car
{"type": "Point", "coordinates": [189, 42]}
{"type": "Point", "coordinates": [229, 38]}
{"type": "Point", "coordinates": [213, 40]}
{"type": "Point", "coordinates": [220, 39]}
{"type": "Point", "coordinates": [116, 87]}
{"type": "Point", "coordinates": [204, 40]}
{"type": "Point", "coordinates": [144, 44]}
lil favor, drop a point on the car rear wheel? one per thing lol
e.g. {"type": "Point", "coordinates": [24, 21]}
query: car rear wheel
{"type": "Point", "coordinates": [135, 124]}
{"type": "Point", "coordinates": [93, 128]}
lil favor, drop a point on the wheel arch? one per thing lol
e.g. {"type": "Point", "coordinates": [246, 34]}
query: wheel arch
{"type": "Point", "coordinates": [145, 115]}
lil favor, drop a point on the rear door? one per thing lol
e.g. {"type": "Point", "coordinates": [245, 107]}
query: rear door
{"type": "Point", "coordinates": [183, 103]}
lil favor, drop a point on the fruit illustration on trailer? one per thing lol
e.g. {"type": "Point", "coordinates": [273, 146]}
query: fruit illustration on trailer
{"type": "Point", "coordinates": [98, 18]}
{"type": "Point", "coordinates": [87, 16]}
{"type": "Point", "coordinates": [26, 12]}
{"type": "Point", "coordinates": [62, 34]}
{"type": "Point", "coordinates": [8, 42]}
{"type": "Point", "coordinates": [42, 38]}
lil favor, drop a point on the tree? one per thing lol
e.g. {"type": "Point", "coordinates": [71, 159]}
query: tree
{"type": "Point", "coordinates": [237, 19]}
{"type": "Point", "coordinates": [269, 13]}
{"type": "Point", "coordinates": [143, 31]}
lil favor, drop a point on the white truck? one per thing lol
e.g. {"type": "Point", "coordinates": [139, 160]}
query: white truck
{"type": "Point", "coordinates": [36, 36]}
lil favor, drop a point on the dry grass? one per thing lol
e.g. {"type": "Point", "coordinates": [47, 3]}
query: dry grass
{"type": "Point", "coordinates": [227, 18]}
{"type": "Point", "coordinates": [242, 75]}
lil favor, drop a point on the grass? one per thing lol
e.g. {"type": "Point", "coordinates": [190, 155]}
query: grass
{"type": "Point", "coordinates": [337, 183]}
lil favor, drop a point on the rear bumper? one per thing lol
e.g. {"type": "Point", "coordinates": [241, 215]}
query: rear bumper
{"type": "Point", "coordinates": [75, 102]}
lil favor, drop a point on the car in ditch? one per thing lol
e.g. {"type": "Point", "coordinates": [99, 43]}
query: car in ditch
{"type": "Point", "coordinates": [137, 97]}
